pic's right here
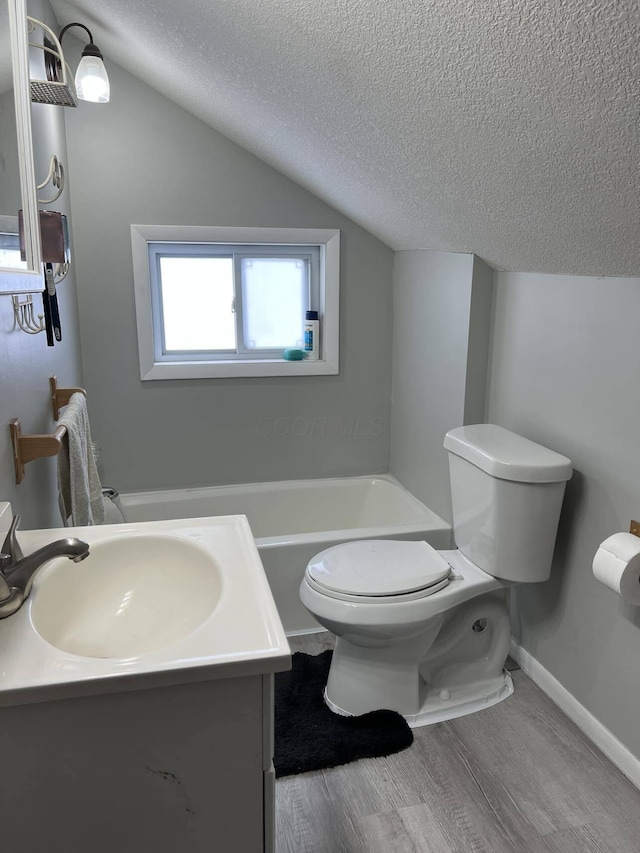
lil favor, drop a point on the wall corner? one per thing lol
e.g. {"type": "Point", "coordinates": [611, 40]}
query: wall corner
{"type": "Point", "coordinates": [478, 348]}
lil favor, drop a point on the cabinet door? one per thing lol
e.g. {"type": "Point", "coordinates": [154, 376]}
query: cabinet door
{"type": "Point", "coordinates": [177, 769]}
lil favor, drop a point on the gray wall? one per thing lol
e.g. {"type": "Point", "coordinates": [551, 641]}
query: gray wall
{"type": "Point", "coordinates": [442, 304]}
{"type": "Point", "coordinates": [565, 371]}
{"type": "Point", "coordinates": [25, 360]}
{"type": "Point", "coordinates": [142, 159]}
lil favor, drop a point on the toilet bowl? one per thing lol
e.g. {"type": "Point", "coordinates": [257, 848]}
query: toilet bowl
{"type": "Point", "coordinates": [386, 638]}
{"type": "Point", "coordinates": [425, 632]}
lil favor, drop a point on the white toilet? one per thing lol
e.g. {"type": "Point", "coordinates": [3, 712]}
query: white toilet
{"type": "Point", "coordinates": [424, 632]}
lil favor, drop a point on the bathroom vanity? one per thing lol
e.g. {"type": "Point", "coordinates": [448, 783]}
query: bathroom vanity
{"type": "Point", "coordinates": [168, 750]}
{"type": "Point", "coordinates": [174, 769]}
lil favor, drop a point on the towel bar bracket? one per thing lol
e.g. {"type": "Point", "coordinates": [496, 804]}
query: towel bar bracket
{"type": "Point", "coordinates": [60, 396]}
{"type": "Point", "coordinates": [26, 448]}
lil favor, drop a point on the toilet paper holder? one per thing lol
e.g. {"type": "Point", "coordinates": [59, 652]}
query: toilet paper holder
{"type": "Point", "coordinates": [634, 527]}
{"type": "Point", "coordinates": [616, 564]}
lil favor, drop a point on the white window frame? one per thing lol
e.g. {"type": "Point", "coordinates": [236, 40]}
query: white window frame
{"type": "Point", "coordinates": [328, 241]}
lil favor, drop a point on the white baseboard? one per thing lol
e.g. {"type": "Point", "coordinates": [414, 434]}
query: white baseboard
{"type": "Point", "coordinates": [607, 742]}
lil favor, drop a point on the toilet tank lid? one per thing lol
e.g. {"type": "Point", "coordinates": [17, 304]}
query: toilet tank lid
{"type": "Point", "coordinates": [507, 456]}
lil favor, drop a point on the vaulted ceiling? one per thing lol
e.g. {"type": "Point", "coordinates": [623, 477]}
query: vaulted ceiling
{"type": "Point", "coordinates": [508, 128]}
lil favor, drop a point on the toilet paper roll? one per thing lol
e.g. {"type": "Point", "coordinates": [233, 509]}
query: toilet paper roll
{"type": "Point", "coordinates": [617, 565]}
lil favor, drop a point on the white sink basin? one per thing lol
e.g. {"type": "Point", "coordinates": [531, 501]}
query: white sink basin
{"type": "Point", "coordinates": [155, 604]}
{"type": "Point", "coordinates": [132, 595]}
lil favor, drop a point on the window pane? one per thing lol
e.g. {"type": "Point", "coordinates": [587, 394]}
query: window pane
{"type": "Point", "coordinates": [197, 303]}
{"type": "Point", "coordinates": [275, 295]}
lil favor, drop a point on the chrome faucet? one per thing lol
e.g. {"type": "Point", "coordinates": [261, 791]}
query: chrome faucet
{"type": "Point", "coordinates": [17, 571]}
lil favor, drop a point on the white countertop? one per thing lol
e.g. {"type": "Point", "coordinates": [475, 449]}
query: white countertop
{"type": "Point", "coordinates": [242, 636]}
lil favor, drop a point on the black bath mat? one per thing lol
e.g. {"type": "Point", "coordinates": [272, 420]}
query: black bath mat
{"type": "Point", "coordinates": [308, 736]}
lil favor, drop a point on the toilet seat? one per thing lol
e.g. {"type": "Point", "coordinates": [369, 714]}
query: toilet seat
{"type": "Point", "coordinates": [378, 571]}
{"type": "Point", "coordinates": [377, 599]}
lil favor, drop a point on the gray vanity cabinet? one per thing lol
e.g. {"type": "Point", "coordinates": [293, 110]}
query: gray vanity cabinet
{"type": "Point", "coordinates": [179, 769]}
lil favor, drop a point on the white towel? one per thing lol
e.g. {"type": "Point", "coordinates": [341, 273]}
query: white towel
{"type": "Point", "coordinates": [79, 485]}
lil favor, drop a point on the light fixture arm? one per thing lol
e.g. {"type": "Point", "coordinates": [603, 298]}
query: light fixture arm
{"type": "Point", "coordinates": [68, 27]}
{"type": "Point", "coordinates": [90, 49]}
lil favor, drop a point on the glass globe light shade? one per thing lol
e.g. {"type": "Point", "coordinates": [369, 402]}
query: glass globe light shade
{"type": "Point", "coordinates": [92, 82]}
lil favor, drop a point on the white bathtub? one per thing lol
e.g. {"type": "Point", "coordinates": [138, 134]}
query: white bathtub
{"type": "Point", "coordinates": [292, 521]}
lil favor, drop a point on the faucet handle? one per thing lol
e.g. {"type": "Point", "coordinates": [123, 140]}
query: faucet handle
{"type": "Point", "coordinates": [11, 546]}
{"type": "Point", "coordinates": [10, 597]}
{"type": "Point", "coordinates": [5, 589]}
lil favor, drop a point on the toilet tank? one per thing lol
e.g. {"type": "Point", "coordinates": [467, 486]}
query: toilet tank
{"type": "Point", "coordinates": [506, 493]}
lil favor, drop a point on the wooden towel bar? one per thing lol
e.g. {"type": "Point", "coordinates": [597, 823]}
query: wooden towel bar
{"type": "Point", "coordinates": [26, 448]}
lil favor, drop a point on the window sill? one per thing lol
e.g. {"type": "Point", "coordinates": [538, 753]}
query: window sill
{"type": "Point", "coordinates": [235, 369]}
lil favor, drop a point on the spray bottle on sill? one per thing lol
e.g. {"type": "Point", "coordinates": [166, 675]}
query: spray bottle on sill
{"type": "Point", "coordinates": [312, 336]}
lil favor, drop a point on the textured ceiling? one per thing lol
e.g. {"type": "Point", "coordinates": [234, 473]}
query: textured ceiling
{"type": "Point", "coordinates": [508, 128]}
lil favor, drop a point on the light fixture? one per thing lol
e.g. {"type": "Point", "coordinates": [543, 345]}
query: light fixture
{"type": "Point", "coordinates": [92, 82]}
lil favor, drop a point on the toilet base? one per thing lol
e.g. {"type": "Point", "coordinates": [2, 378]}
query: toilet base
{"type": "Point", "coordinates": [443, 703]}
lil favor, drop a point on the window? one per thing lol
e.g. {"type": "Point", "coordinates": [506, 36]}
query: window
{"type": "Point", "coordinates": [228, 301]}
{"type": "Point", "coordinates": [252, 299]}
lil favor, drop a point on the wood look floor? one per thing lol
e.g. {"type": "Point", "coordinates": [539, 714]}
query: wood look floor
{"type": "Point", "coordinates": [517, 777]}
